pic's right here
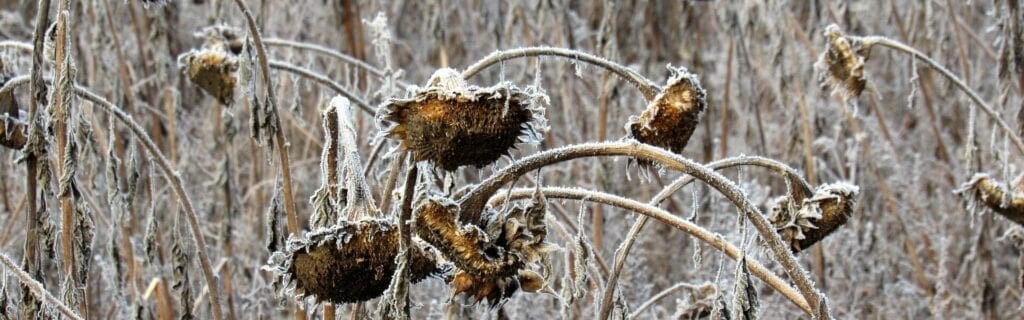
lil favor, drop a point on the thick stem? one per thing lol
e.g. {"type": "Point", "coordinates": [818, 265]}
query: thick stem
{"type": "Point", "coordinates": [646, 86]}
{"type": "Point", "coordinates": [282, 147]}
{"type": "Point", "coordinates": [473, 203]}
{"type": "Point", "coordinates": [31, 252]}
{"type": "Point", "coordinates": [60, 117]}
{"type": "Point", "coordinates": [715, 240]}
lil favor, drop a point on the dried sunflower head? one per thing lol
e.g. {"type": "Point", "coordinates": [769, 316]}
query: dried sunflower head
{"type": "Point", "coordinates": [349, 262]}
{"type": "Point", "coordinates": [495, 263]}
{"type": "Point", "coordinates": [451, 124]}
{"type": "Point", "coordinates": [802, 225]}
{"type": "Point", "coordinates": [1006, 200]}
{"type": "Point", "coordinates": [841, 66]}
{"type": "Point", "coordinates": [213, 70]}
{"type": "Point", "coordinates": [670, 119]}
{"type": "Point", "coordinates": [214, 67]}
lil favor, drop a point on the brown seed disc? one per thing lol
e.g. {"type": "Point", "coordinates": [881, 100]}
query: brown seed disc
{"type": "Point", "coordinates": [670, 119]}
{"type": "Point", "coordinates": [452, 126]}
{"type": "Point", "coordinates": [349, 262]}
{"type": "Point", "coordinates": [844, 65]}
{"type": "Point", "coordinates": [213, 70]}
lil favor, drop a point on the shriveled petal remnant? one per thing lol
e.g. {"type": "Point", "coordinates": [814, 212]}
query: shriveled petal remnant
{"type": "Point", "coordinates": [983, 189]}
{"type": "Point", "coordinates": [213, 67]}
{"type": "Point", "coordinates": [451, 124]}
{"type": "Point", "coordinates": [670, 119]}
{"type": "Point", "coordinates": [348, 262]}
{"type": "Point", "coordinates": [841, 66]}
{"type": "Point", "coordinates": [802, 225]}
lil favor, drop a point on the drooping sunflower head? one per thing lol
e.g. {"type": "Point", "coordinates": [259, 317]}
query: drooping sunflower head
{"type": "Point", "coordinates": [214, 66]}
{"type": "Point", "coordinates": [670, 119]}
{"type": "Point", "coordinates": [841, 66]}
{"type": "Point", "coordinates": [351, 261]}
{"type": "Point", "coordinates": [451, 124]}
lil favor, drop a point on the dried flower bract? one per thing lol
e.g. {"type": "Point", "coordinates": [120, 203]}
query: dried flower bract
{"type": "Point", "coordinates": [451, 124]}
{"type": "Point", "coordinates": [348, 262]}
{"type": "Point", "coordinates": [670, 119]}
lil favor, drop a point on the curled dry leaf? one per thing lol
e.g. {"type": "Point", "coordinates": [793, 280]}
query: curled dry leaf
{"type": "Point", "coordinates": [451, 124]}
{"type": "Point", "coordinates": [841, 66]}
{"type": "Point", "coordinates": [351, 261]}
{"type": "Point", "coordinates": [802, 225]}
{"type": "Point", "coordinates": [670, 119]}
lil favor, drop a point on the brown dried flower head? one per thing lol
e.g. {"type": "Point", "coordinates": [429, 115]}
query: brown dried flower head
{"type": "Point", "coordinates": [1007, 201]}
{"type": "Point", "coordinates": [670, 119]}
{"type": "Point", "coordinates": [493, 264]}
{"type": "Point", "coordinates": [451, 124]}
{"type": "Point", "coordinates": [213, 67]}
{"type": "Point", "coordinates": [841, 66]}
{"type": "Point", "coordinates": [348, 262]}
{"type": "Point", "coordinates": [803, 225]}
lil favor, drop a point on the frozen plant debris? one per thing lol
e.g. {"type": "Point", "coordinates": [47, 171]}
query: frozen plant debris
{"type": "Point", "coordinates": [802, 225]}
{"type": "Point", "coordinates": [670, 119]}
{"type": "Point", "coordinates": [214, 67]}
{"type": "Point", "coordinates": [348, 262]}
{"type": "Point", "coordinates": [983, 189]}
{"type": "Point", "coordinates": [841, 66]}
{"type": "Point", "coordinates": [451, 124]}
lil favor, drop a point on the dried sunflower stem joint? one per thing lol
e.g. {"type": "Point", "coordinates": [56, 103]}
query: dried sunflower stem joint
{"type": "Point", "coordinates": [959, 83]}
{"type": "Point", "coordinates": [646, 86]}
{"type": "Point", "coordinates": [472, 204]}
{"type": "Point", "coordinates": [319, 78]}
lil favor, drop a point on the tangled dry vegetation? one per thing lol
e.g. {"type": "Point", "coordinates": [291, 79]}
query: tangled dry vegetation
{"type": "Point", "coordinates": [853, 159]}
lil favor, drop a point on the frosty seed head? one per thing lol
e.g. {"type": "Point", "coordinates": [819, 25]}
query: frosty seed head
{"type": "Point", "coordinates": [670, 119]}
{"type": "Point", "coordinates": [348, 262]}
{"type": "Point", "coordinates": [1008, 202]}
{"type": "Point", "coordinates": [451, 124]}
{"type": "Point", "coordinates": [213, 70]}
{"type": "Point", "coordinates": [214, 66]}
{"type": "Point", "coordinates": [802, 225]}
{"type": "Point", "coordinates": [841, 66]}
